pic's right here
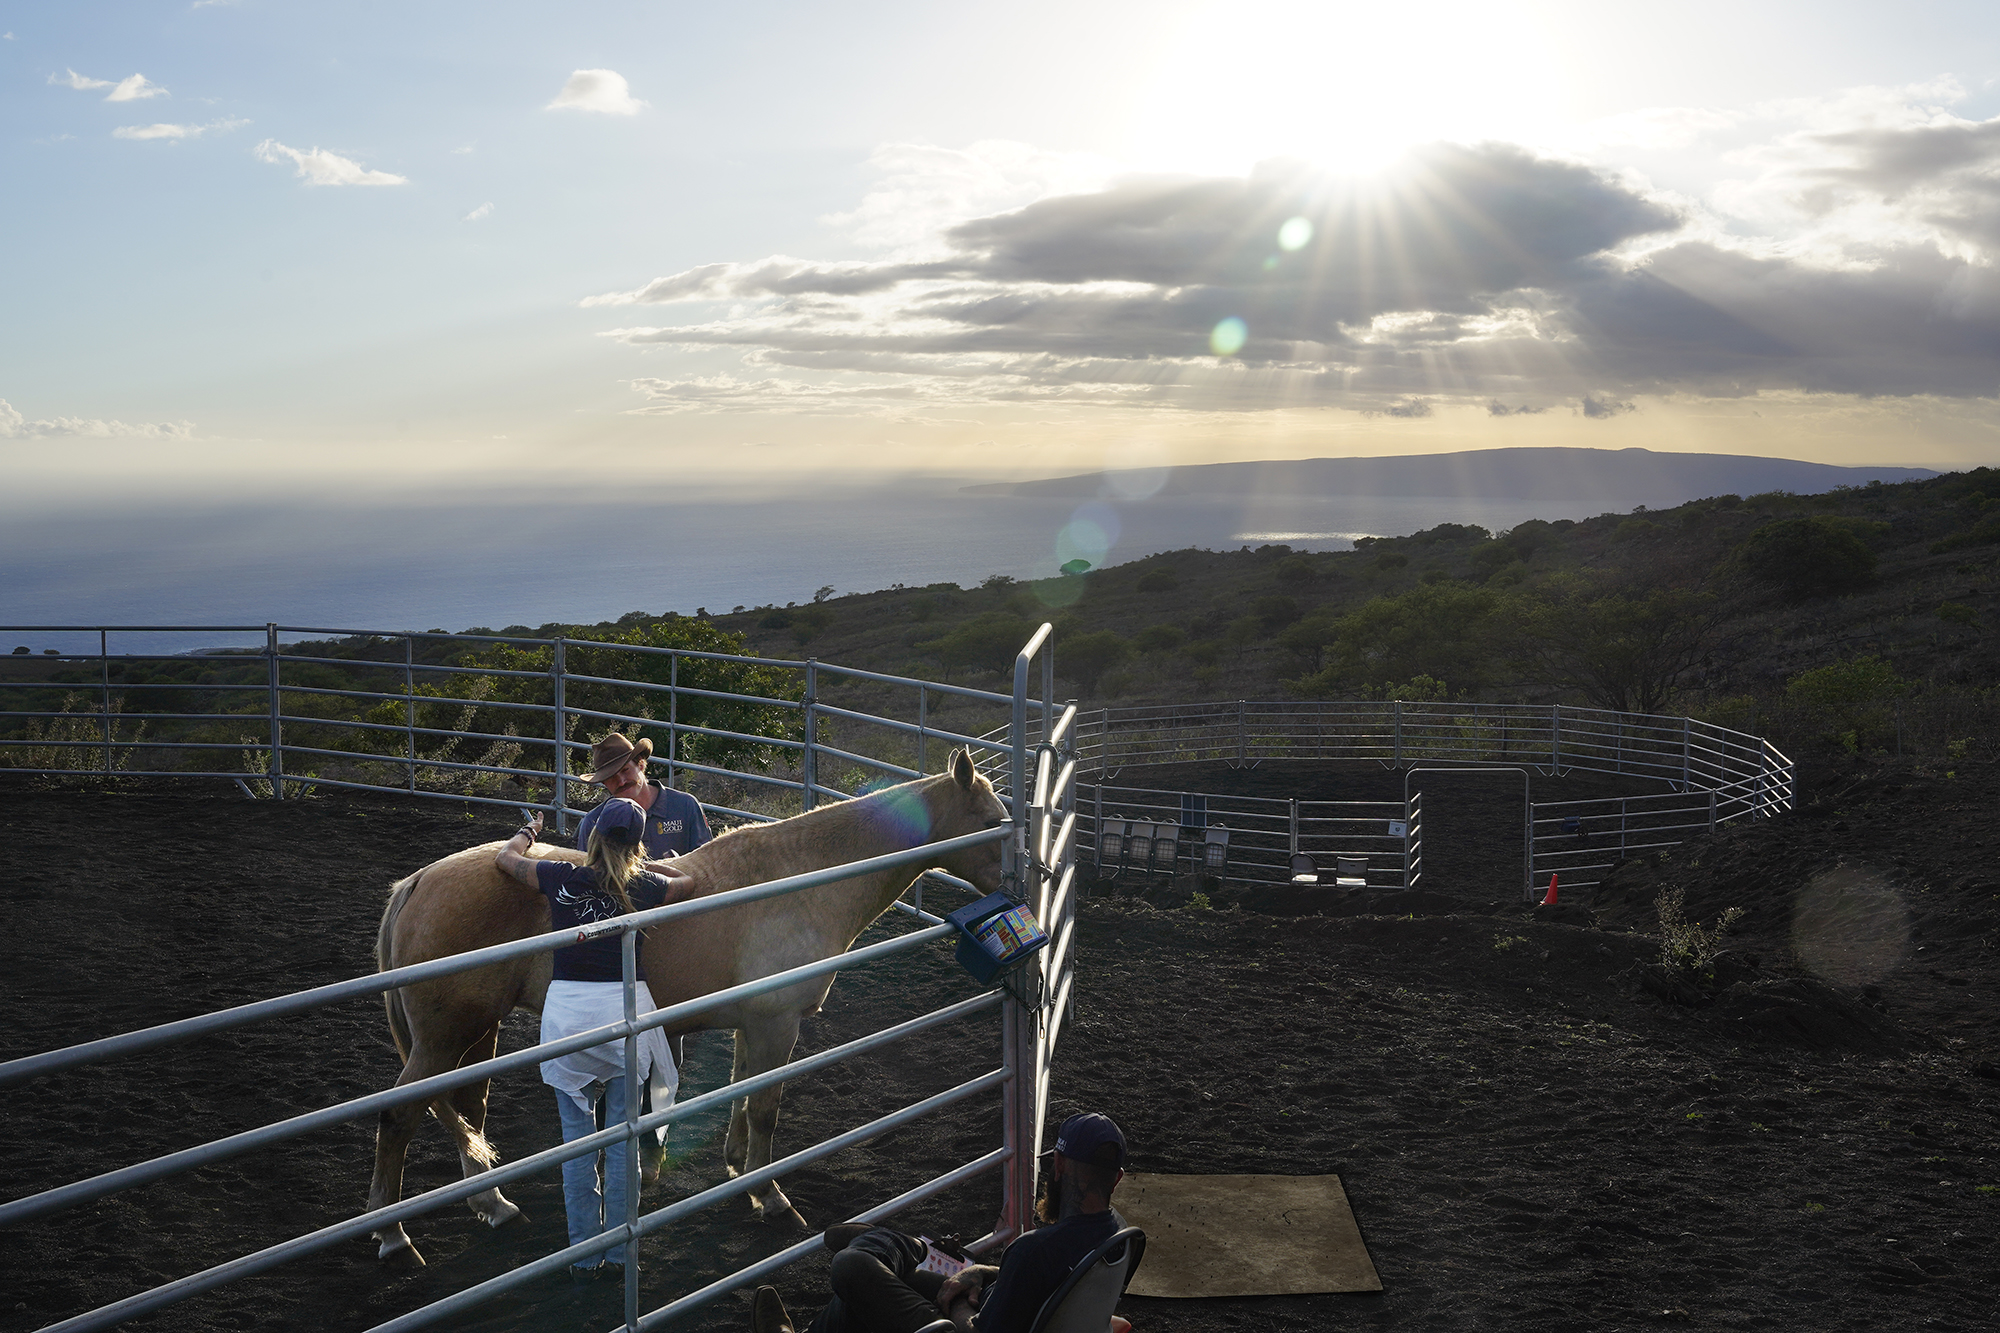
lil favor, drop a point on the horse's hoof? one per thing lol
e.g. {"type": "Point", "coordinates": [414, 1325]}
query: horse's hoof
{"type": "Point", "coordinates": [494, 1208]}
{"type": "Point", "coordinates": [401, 1257]}
{"type": "Point", "coordinates": [786, 1218]}
{"type": "Point", "coordinates": [503, 1218]}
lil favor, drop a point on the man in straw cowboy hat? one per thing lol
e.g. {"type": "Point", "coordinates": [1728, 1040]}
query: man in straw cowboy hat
{"type": "Point", "coordinates": [674, 823]}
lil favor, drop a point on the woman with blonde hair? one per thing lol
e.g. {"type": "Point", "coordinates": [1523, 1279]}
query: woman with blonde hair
{"type": "Point", "coordinates": [588, 992]}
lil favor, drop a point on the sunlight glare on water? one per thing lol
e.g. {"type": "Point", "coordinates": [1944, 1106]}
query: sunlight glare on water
{"type": "Point", "coordinates": [1849, 927]}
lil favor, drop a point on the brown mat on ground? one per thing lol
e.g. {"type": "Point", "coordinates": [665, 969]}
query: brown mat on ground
{"type": "Point", "coordinates": [1245, 1236]}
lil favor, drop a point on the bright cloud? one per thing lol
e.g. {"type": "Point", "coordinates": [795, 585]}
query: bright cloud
{"type": "Point", "coordinates": [134, 89]}
{"type": "Point", "coordinates": [1856, 251]}
{"type": "Point", "coordinates": [480, 213]}
{"type": "Point", "coordinates": [601, 90]}
{"type": "Point", "coordinates": [72, 79]}
{"type": "Point", "coordinates": [13, 426]}
{"type": "Point", "coordinates": [164, 131]}
{"type": "Point", "coordinates": [319, 167]}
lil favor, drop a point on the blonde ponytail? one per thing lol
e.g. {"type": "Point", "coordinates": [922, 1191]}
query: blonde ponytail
{"type": "Point", "coordinates": [615, 864]}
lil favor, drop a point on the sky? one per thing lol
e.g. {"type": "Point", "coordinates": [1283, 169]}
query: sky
{"type": "Point", "coordinates": [471, 251]}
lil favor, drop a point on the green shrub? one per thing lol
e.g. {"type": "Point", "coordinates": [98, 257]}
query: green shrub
{"type": "Point", "coordinates": [1984, 533]}
{"type": "Point", "coordinates": [1689, 948]}
{"type": "Point", "coordinates": [1807, 557]}
{"type": "Point", "coordinates": [1295, 570]}
{"type": "Point", "coordinates": [1849, 702]}
{"type": "Point", "coordinates": [1085, 658]}
{"type": "Point", "coordinates": [1158, 580]}
{"type": "Point", "coordinates": [1957, 613]}
{"type": "Point", "coordinates": [1159, 639]}
{"type": "Point", "coordinates": [1275, 611]}
{"type": "Point", "coordinates": [1391, 560]}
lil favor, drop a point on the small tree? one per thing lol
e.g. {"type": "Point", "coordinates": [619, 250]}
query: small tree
{"type": "Point", "coordinates": [1807, 557]}
{"type": "Point", "coordinates": [1628, 654]}
{"type": "Point", "coordinates": [1085, 658]}
{"type": "Point", "coordinates": [1849, 703]}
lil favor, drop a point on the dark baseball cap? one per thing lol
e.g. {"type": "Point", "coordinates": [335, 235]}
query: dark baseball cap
{"type": "Point", "coordinates": [1082, 1137]}
{"type": "Point", "coordinates": [619, 821]}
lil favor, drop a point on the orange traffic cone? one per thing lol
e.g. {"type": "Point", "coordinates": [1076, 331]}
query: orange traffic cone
{"type": "Point", "coordinates": [1549, 899]}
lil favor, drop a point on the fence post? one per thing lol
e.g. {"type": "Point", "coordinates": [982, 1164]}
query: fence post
{"type": "Point", "coordinates": [410, 708]}
{"type": "Point", "coordinates": [628, 958]}
{"type": "Point", "coordinates": [1293, 824]}
{"type": "Point", "coordinates": [1048, 688]}
{"type": "Point", "coordinates": [558, 664]}
{"type": "Point", "coordinates": [1531, 846]}
{"type": "Point", "coordinates": [1687, 752]}
{"type": "Point", "coordinates": [1399, 733]}
{"type": "Point", "coordinates": [923, 734]}
{"type": "Point", "coordinates": [1711, 810]}
{"type": "Point", "coordinates": [1621, 828]}
{"type": "Point", "coordinates": [1242, 733]}
{"type": "Point", "coordinates": [673, 717]}
{"type": "Point", "coordinates": [809, 757]}
{"type": "Point", "coordinates": [276, 768]}
{"type": "Point", "coordinates": [1019, 1025]}
{"type": "Point", "coordinates": [104, 673]}
{"type": "Point", "coordinates": [1555, 737]}
{"type": "Point", "coordinates": [1528, 817]}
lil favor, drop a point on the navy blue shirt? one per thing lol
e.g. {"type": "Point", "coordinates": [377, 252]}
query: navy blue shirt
{"type": "Point", "coordinates": [576, 900]}
{"type": "Point", "coordinates": [1035, 1265]}
{"type": "Point", "coordinates": [674, 825]}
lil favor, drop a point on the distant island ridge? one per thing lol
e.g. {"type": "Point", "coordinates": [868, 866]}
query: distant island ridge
{"type": "Point", "coordinates": [1548, 473]}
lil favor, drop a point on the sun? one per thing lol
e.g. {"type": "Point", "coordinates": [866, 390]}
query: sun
{"type": "Point", "coordinates": [1347, 87]}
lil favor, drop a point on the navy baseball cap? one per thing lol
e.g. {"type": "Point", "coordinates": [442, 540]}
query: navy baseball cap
{"type": "Point", "coordinates": [621, 821]}
{"type": "Point", "coordinates": [1081, 1136]}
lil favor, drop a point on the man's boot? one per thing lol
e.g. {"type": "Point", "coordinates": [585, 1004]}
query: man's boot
{"type": "Point", "coordinates": [768, 1313]}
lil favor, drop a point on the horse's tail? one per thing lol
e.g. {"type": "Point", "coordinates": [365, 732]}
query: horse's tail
{"type": "Point", "coordinates": [385, 941]}
{"type": "Point", "coordinates": [469, 1140]}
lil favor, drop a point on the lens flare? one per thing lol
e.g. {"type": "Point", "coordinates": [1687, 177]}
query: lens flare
{"type": "Point", "coordinates": [1090, 534]}
{"type": "Point", "coordinates": [1228, 337]}
{"type": "Point", "coordinates": [1296, 234]}
{"type": "Point", "coordinates": [1850, 927]}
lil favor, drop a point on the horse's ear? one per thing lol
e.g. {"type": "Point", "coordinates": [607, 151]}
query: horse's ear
{"type": "Point", "coordinates": [960, 768]}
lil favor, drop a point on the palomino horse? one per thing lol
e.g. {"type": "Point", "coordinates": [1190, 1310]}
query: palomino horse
{"type": "Point", "coordinates": [463, 902]}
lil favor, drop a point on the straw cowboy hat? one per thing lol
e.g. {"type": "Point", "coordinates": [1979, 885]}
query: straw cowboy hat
{"type": "Point", "coordinates": [614, 752]}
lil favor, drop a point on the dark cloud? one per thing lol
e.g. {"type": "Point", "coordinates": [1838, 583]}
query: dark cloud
{"type": "Point", "coordinates": [1475, 274]}
{"type": "Point", "coordinates": [1409, 410]}
{"type": "Point", "coordinates": [1500, 409]}
{"type": "Point", "coordinates": [1890, 162]}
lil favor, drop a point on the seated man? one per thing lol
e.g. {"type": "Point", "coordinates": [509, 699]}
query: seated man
{"type": "Point", "coordinates": [876, 1285]}
{"type": "Point", "coordinates": [674, 822]}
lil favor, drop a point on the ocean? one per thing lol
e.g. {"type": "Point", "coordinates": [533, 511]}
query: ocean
{"type": "Point", "coordinates": [527, 561]}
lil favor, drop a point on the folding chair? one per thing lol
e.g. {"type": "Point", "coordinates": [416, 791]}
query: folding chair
{"type": "Point", "coordinates": [1215, 853]}
{"type": "Point", "coordinates": [1111, 845]}
{"type": "Point", "coordinates": [1166, 848]}
{"type": "Point", "coordinates": [1088, 1296]}
{"type": "Point", "coordinates": [1303, 869]}
{"type": "Point", "coordinates": [1350, 872]}
{"type": "Point", "coordinates": [1139, 848]}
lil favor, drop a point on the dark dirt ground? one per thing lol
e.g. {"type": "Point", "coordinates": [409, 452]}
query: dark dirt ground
{"type": "Point", "coordinates": [1531, 1138]}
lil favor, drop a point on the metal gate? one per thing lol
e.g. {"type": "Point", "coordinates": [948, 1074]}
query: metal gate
{"type": "Point", "coordinates": [1037, 844]}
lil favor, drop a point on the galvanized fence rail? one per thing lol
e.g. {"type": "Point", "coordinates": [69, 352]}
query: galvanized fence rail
{"type": "Point", "coordinates": [1037, 845]}
{"type": "Point", "coordinates": [1711, 774]}
{"type": "Point", "coordinates": [1263, 835]}
{"type": "Point", "coordinates": [383, 716]}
